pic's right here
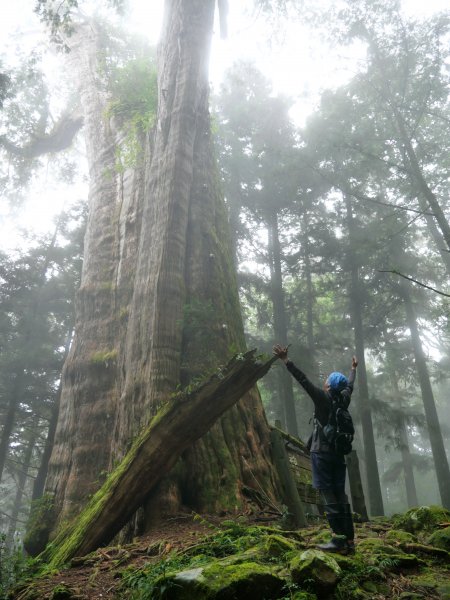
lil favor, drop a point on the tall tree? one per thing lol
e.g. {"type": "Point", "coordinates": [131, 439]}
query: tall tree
{"type": "Point", "coordinates": [373, 479]}
{"type": "Point", "coordinates": [158, 302]}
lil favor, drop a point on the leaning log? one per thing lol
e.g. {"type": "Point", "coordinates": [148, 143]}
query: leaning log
{"type": "Point", "coordinates": [184, 419]}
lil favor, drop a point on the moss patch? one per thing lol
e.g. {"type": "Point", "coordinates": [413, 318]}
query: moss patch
{"type": "Point", "coordinates": [440, 539]}
{"type": "Point", "coordinates": [39, 523]}
{"type": "Point", "coordinates": [423, 518]}
{"type": "Point", "coordinates": [317, 567]}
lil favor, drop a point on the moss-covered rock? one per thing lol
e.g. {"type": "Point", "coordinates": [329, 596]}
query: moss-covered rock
{"type": "Point", "coordinates": [218, 581]}
{"type": "Point", "coordinates": [440, 539]}
{"type": "Point", "coordinates": [276, 546]}
{"type": "Point", "coordinates": [400, 537]}
{"type": "Point", "coordinates": [379, 552]}
{"type": "Point", "coordinates": [422, 518]}
{"type": "Point", "coordinates": [317, 567]}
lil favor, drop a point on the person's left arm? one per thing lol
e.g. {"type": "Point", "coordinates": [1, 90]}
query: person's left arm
{"type": "Point", "coordinates": [347, 391]}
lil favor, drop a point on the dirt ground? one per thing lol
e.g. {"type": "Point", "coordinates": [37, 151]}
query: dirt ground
{"type": "Point", "coordinates": [97, 578]}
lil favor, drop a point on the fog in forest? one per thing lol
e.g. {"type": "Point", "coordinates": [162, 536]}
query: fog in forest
{"type": "Point", "coordinates": [306, 204]}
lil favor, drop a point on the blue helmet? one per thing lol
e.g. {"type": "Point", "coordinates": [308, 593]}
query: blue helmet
{"type": "Point", "coordinates": [337, 381]}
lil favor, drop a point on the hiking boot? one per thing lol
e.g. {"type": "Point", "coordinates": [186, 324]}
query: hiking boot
{"type": "Point", "coordinates": [350, 547]}
{"type": "Point", "coordinates": [336, 545]}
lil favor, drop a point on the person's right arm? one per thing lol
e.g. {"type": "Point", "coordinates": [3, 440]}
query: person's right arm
{"type": "Point", "coordinates": [313, 391]}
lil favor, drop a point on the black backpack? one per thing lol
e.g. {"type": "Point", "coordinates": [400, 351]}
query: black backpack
{"type": "Point", "coordinates": [339, 430]}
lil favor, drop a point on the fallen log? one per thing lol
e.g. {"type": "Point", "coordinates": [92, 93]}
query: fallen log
{"type": "Point", "coordinates": [184, 419]}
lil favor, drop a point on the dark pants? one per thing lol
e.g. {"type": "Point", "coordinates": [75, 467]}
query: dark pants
{"type": "Point", "coordinates": [328, 471]}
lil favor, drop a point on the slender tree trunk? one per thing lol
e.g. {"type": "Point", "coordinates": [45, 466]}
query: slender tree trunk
{"type": "Point", "coordinates": [39, 482]}
{"type": "Point", "coordinates": [434, 428]}
{"type": "Point", "coordinates": [21, 483]}
{"type": "Point", "coordinates": [9, 422]}
{"type": "Point", "coordinates": [410, 484]}
{"type": "Point", "coordinates": [285, 388]}
{"type": "Point", "coordinates": [310, 293]}
{"type": "Point", "coordinates": [406, 147]}
{"type": "Point", "coordinates": [373, 478]}
{"type": "Point", "coordinates": [418, 177]}
{"type": "Point", "coordinates": [435, 234]}
{"type": "Point", "coordinates": [18, 376]}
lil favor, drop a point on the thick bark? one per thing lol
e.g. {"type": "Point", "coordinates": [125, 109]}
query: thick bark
{"type": "Point", "coordinates": [373, 478]}
{"type": "Point", "coordinates": [158, 297]}
{"type": "Point", "coordinates": [434, 428]}
{"type": "Point", "coordinates": [82, 447]}
{"type": "Point", "coordinates": [285, 388]}
{"type": "Point", "coordinates": [175, 427]}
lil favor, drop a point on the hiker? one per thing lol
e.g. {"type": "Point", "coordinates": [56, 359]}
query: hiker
{"type": "Point", "coordinates": [327, 458]}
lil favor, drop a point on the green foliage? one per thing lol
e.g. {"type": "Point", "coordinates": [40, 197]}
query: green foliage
{"type": "Point", "coordinates": [14, 567]}
{"type": "Point", "coordinates": [441, 539]}
{"type": "Point", "coordinates": [41, 513]}
{"type": "Point", "coordinates": [230, 538]}
{"type": "Point", "coordinates": [422, 518]}
{"type": "Point", "coordinates": [135, 97]}
{"type": "Point", "coordinates": [104, 357]}
{"type": "Point", "coordinates": [36, 319]}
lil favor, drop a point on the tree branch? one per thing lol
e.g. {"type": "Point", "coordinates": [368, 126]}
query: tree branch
{"type": "Point", "coordinates": [428, 287]}
{"type": "Point", "coordinates": [59, 138]}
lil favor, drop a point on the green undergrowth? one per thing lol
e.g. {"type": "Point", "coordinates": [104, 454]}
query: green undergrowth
{"type": "Point", "coordinates": [237, 558]}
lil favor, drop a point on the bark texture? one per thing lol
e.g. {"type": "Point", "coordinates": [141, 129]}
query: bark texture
{"type": "Point", "coordinates": [182, 420]}
{"type": "Point", "coordinates": [82, 447]}
{"type": "Point", "coordinates": [158, 303]}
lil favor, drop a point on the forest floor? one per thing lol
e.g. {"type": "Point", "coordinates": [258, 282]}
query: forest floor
{"type": "Point", "coordinates": [97, 577]}
{"type": "Point", "coordinates": [100, 575]}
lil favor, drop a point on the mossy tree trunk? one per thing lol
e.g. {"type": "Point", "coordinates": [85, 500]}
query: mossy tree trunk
{"type": "Point", "coordinates": [82, 447]}
{"type": "Point", "coordinates": [182, 420]}
{"type": "Point", "coordinates": [158, 303]}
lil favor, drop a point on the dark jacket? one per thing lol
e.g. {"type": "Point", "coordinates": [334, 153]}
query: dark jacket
{"type": "Point", "coordinates": [322, 404]}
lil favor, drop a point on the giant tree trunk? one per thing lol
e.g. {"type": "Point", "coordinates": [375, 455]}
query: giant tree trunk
{"type": "Point", "coordinates": [158, 303]}
{"type": "Point", "coordinates": [180, 422]}
{"type": "Point", "coordinates": [82, 447]}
